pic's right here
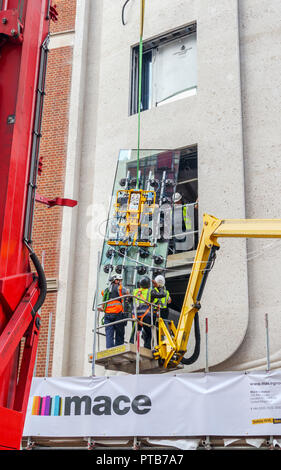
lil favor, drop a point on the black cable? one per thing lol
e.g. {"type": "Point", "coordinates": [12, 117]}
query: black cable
{"type": "Point", "coordinates": [196, 352]}
{"type": "Point", "coordinates": [42, 283]}
{"type": "Point", "coordinates": [123, 11]}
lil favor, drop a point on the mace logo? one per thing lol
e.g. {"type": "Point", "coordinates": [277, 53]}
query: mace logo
{"type": "Point", "coordinates": [100, 405]}
{"type": "Point", "coordinates": [47, 406]}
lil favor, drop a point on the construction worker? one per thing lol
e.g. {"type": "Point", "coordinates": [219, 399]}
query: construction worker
{"type": "Point", "coordinates": [114, 311]}
{"type": "Point", "coordinates": [160, 296]}
{"type": "Point", "coordinates": [142, 311]}
{"type": "Point", "coordinates": [183, 222]}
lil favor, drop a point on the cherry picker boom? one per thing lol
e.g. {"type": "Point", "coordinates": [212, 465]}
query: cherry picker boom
{"type": "Point", "coordinates": [172, 342]}
{"type": "Point", "coordinates": [24, 36]}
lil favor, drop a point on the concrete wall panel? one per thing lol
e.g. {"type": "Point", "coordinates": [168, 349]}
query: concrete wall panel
{"type": "Point", "coordinates": [232, 147]}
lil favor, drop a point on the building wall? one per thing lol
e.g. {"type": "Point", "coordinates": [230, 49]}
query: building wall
{"type": "Point", "coordinates": [48, 222]}
{"type": "Point", "coordinates": [232, 119]}
{"type": "Point", "coordinates": [260, 61]}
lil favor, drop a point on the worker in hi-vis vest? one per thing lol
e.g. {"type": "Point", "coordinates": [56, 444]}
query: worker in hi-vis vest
{"type": "Point", "coordinates": [160, 297]}
{"type": "Point", "coordinates": [142, 311]}
{"type": "Point", "coordinates": [183, 222]}
{"type": "Point", "coordinates": [113, 311]}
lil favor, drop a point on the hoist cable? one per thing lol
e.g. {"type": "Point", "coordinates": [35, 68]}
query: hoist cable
{"type": "Point", "coordinates": [140, 84]}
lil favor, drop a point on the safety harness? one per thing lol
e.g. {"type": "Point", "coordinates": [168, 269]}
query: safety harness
{"type": "Point", "coordinates": [139, 294]}
{"type": "Point", "coordinates": [114, 304]}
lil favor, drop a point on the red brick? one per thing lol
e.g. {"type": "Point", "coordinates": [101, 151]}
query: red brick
{"type": "Point", "coordinates": [53, 149]}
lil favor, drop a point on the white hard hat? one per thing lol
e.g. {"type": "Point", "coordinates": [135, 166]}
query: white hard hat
{"type": "Point", "coordinates": [160, 280]}
{"type": "Point", "coordinates": [177, 197]}
{"type": "Point", "coordinates": [115, 277]}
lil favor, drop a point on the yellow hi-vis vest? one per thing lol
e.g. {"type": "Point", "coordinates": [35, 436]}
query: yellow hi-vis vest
{"type": "Point", "coordinates": [142, 296]}
{"type": "Point", "coordinates": [187, 219]}
{"type": "Point", "coordinates": [163, 301]}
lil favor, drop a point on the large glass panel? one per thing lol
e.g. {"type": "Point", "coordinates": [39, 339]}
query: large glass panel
{"type": "Point", "coordinates": [158, 174]}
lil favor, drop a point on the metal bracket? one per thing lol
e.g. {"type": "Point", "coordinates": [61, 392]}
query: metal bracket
{"type": "Point", "coordinates": [207, 443]}
{"type": "Point", "coordinates": [11, 26]}
{"type": "Point", "coordinates": [30, 444]}
{"type": "Point", "coordinates": [91, 444]}
{"type": "Point", "coordinates": [11, 119]}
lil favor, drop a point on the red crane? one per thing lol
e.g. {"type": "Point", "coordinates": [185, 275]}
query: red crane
{"type": "Point", "coordinates": [24, 36]}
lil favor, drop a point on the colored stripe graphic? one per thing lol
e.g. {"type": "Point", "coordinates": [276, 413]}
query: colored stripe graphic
{"type": "Point", "coordinates": [52, 407]}
{"type": "Point", "coordinates": [47, 406]}
{"type": "Point", "coordinates": [57, 408]}
{"type": "Point", "coordinates": [42, 413]}
{"type": "Point", "coordinates": [36, 405]}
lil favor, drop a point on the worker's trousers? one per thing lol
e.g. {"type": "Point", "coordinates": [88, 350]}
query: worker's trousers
{"type": "Point", "coordinates": [146, 330]}
{"type": "Point", "coordinates": [164, 313]}
{"type": "Point", "coordinates": [114, 333]}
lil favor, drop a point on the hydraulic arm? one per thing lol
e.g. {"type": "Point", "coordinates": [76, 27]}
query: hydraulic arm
{"type": "Point", "coordinates": [173, 340]}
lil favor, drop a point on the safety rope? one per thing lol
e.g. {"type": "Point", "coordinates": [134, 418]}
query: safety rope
{"type": "Point", "coordinates": [140, 83]}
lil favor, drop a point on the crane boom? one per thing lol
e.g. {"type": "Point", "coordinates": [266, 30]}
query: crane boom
{"type": "Point", "coordinates": [173, 341]}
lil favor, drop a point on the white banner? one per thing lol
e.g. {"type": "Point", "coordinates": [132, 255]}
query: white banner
{"type": "Point", "coordinates": [195, 404]}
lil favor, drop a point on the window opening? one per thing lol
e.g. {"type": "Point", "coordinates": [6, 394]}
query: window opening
{"type": "Point", "coordinates": [184, 235]}
{"type": "Point", "coordinates": [169, 70]}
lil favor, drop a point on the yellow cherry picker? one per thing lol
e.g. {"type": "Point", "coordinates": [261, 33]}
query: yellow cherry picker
{"type": "Point", "coordinates": [172, 340]}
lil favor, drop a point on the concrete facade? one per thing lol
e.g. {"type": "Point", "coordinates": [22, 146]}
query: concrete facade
{"type": "Point", "coordinates": [234, 121]}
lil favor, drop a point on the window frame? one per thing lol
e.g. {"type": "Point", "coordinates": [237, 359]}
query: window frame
{"type": "Point", "coordinates": [150, 47]}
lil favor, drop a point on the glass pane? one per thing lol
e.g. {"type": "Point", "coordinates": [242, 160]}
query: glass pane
{"type": "Point", "coordinates": [146, 81]}
{"type": "Point", "coordinates": [175, 68]}
{"type": "Point", "coordinates": [158, 174]}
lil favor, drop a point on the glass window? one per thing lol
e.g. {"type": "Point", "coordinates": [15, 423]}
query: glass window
{"type": "Point", "coordinates": [169, 69]}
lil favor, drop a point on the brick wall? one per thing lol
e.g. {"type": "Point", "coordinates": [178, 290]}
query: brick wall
{"type": "Point", "coordinates": [53, 149]}
{"type": "Point", "coordinates": [66, 20]}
